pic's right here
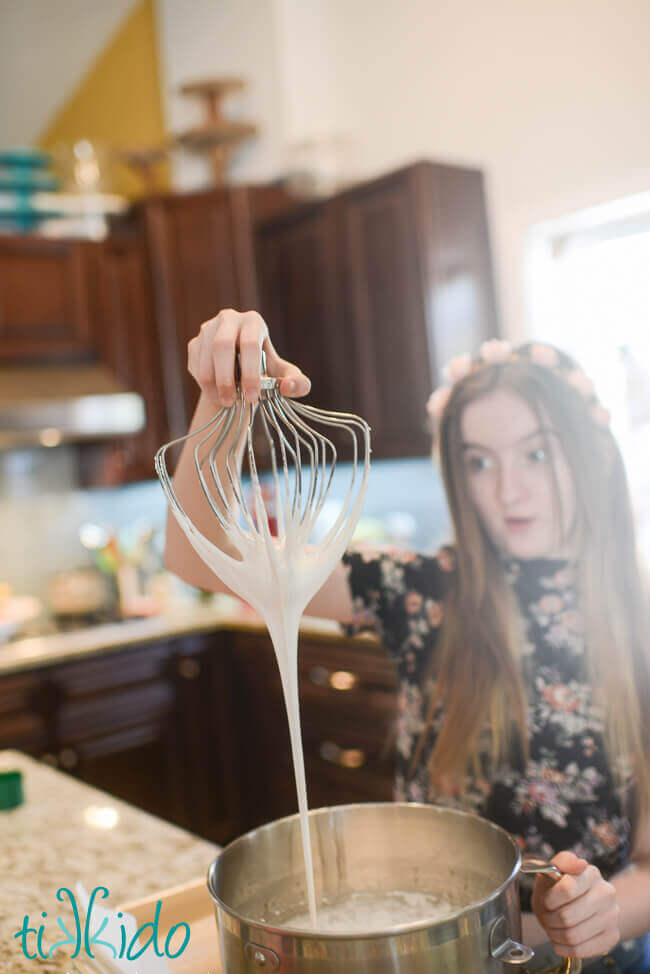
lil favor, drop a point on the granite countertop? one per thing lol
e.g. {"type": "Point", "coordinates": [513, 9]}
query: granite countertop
{"type": "Point", "coordinates": [50, 842]}
{"type": "Point", "coordinates": [221, 613]}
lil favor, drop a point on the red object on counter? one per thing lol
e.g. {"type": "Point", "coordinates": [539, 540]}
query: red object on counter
{"type": "Point", "coordinates": [268, 500]}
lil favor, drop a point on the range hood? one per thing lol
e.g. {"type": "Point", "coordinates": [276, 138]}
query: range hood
{"type": "Point", "coordinates": [46, 405]}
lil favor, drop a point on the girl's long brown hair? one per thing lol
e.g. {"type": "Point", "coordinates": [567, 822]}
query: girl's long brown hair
{"type": "Point", "coordinates": [477, 673]}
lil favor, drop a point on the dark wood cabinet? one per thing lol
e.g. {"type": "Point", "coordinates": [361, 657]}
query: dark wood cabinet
{"type": "Point", "coordinates": [72, 300]}
{"type": "Point", "coordinates": [194, 729]}
{"type": "Point", "coordinates": [207, 726]}
{"type": "Point", "coordinates": [45, 300]}
{"type": "Point", "coordinates": [150, 724]}
{"type": "Point", "coordinates": [114, 727]}
{"type": "Point", "coordinates": [370, 292]}
{"type": "Point", "coordinates": [347, 704]}
{"type": "Point", "coordinates": [24, 713]}
{"type": "Point", "coordinates": [127, 342]}
{"type": "Point", "coordinates": [385, 314]}
{"type": "Point", "coordinates": [376, 288]}
{"type": "Point", "coordinates": [301, 297]}
{"type": "Point", "coordinates": [201, 259]}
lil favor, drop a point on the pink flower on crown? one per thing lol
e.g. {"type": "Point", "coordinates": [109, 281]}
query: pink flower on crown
{"type": "Point", "coordinates": [581, 382]}
{"type": "Point", "coordinates": [601, 415]}
{"type": "Point", "coordinates": [544, 355]}
{"type": "Point", "coordinates": [437, 402]}
{"type": "Point", "coordinates": [457, 368]}
{"type": "Point", "coordinates": [496, 351]}
{"type": "Point", "coordinates": [446, 560]}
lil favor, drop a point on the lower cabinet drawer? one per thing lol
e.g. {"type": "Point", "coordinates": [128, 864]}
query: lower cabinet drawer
{"type": "Point", "coordinates": [114, 710]}
{"type": "Point", "coordinates": [348, 763]}
{"type": "Point", "coordinates": [329, 784]}
{"type": "Point", "coordinates": [23, 731]}
{"type": "Point", "coordinates": [354, 667]}
{"type": "Point", "coordinates": [348, 702]}
{"type": "Point", "coordinates": [345, 762]}
{"type": "Point", "coordinates": [336, 738]}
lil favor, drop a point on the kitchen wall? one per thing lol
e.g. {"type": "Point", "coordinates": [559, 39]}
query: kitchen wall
{"type": "Point", "coordinates": [232, 37]}
{"type": "Point", "coordinates": [125, 73]}
{"type": "Point", "coordinates": [551, 99]}
{"type": "Point", "coordinates": [45, 49]}
{"type": "Point", "coordinates": [41, 511]}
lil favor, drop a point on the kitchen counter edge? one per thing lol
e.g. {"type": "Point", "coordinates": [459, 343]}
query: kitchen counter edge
{"type": "Point", "coordinates": [43, 651]}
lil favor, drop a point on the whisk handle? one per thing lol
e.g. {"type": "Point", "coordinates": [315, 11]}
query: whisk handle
{"type": "Point", "coordinates": [268, 381]}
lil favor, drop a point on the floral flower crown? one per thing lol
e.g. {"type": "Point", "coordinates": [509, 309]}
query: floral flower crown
{"type": "Point", "coordinates": [496, 352]}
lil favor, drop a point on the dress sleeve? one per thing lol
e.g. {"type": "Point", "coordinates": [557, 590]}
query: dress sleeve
{"type": "Point", "coordinates": [400, 596]}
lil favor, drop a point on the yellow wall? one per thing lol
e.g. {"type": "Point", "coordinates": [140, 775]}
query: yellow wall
{"type": "Point", "coordinates": [118, 102]}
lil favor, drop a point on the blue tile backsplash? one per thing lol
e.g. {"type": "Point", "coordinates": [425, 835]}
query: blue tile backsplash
{"type": "Point", "coordinates": [41, 510]}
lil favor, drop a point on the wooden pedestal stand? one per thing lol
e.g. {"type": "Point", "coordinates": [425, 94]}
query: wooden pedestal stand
{"type": "Point", "coordinates": [217, 136]}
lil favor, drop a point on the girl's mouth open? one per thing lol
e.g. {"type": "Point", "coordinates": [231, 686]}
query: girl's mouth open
{"type": "Point", "coordinates": [516, 525]}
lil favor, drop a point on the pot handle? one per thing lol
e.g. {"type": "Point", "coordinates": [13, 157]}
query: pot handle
{"type": "Point", "coordinates": [531, 866]}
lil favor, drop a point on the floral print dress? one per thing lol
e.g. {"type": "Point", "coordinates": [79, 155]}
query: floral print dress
{"type": "Point", "coordinates": [565, 797]}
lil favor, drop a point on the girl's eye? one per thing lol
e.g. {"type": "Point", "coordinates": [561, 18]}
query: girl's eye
{"type": "Point", "coordinates": [540, 455]}
{"type": "Point", "coordinates": [478, 463]}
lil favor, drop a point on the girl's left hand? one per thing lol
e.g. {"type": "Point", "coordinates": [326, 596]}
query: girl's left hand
{"type": "Point", "coordinates": [580, 911]}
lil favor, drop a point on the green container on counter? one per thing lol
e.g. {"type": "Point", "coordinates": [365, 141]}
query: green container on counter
{"type": "Point", "coordinates": [11, 790]}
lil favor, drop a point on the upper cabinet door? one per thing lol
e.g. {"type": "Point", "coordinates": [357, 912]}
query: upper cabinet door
{"type": "Point", "coordinates": [300, 300]}
{"type": "Point", "coordinates": [372, 291]}
{"type": "Point", "coordinates": [193, 264]}
{"type": "Point", "coordinates": [129, 347]}
{"type": "Point", "coordinates": [201, 259]}
{"type": "Point", "coordinates": [384, 302]}
{"type": "Point", "coordinates": [455, 264]}
{"type": "Point", "coordinates": [44, 300]}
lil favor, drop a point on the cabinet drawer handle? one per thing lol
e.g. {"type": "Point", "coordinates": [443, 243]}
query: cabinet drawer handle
{"type": "Point", "coordinates": [338, 680]}
{"type": "Point", "coordinates": [343, 680]}
{"type": "Point", "coordinates": [50, 759]}
{"type": "Point", "coordinates": [319, 675]}
{"type": "Point", "coordinates": [189, 669]}
{"type": "Point", "coordinates": [351, 757]}
{"type": "Point", "coordinates": [68, 758]}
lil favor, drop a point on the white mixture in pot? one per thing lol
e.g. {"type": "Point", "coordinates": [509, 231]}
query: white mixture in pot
{"type": "Point", "coordinates": [374, 912]}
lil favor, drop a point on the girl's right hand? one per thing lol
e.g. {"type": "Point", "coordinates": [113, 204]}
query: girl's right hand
{"type": "Point", "coordinates": [211, 358]}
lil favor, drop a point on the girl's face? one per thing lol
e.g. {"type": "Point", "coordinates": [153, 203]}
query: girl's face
{"type": "Point", "coordinates": [510, 460]}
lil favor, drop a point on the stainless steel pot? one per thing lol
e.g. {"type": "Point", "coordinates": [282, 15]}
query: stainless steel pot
{"type": "Point", "coordinates": [259, 878]}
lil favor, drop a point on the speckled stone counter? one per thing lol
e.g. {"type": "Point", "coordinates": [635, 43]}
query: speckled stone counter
{"type": "Point", "coordinates": [222, 613]}
{"type": "Point", "coordinates": [67, 832]}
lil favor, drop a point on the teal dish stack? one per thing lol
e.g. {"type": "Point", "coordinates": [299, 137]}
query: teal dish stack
{"type": "Point", "coordinates": [24, 172]}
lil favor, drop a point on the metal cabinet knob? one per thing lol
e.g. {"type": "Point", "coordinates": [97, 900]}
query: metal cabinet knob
{"type": "Point", "coordinates": [189, 668]}
{"type": "Point", "coordinates": [338, 680]}
{"type": "Point", "coordinates": [343, 680]}
{"type": "Point", "coordinates": [351, 757]}
{"type": "Point", "coordinates": [319, 676]}
{"type": "Point", "coordinates": [50, 759]}
{"type": "Point", "coordinates": [68, 758]}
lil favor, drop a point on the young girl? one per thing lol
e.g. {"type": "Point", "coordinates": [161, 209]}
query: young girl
{"type": "Point", "coordinates": [521, 650]}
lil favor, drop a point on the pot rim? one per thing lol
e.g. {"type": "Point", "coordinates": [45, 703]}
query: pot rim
{"type": "Point", "coordinates": [405, 928]}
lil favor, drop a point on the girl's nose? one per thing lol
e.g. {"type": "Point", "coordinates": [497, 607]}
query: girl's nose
{"type": "Point", "coordinates": [511, 487]}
